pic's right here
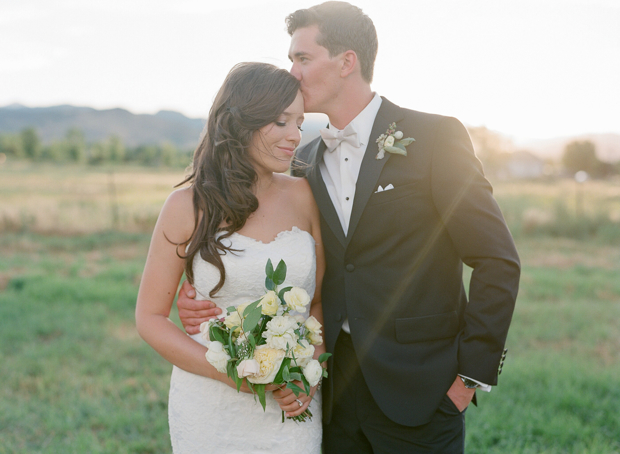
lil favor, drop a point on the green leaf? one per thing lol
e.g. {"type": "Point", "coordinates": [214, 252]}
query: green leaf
{"type": "Point", "coordinates": [280, 273]}
{"type": "Point", "coordinates": [251, 340]}
{"type": "Point", "coordinates": [269, 284]}
{"type": "Point", "coordinates": [285, 363]}
{"type": "Point", "coordinates": [405, 142]}
{"type": "Point", "coordinates": [282, 292]}
{"type": "Point", "coordinates": [253, 312]}
{"type": "Point", "coordinates": [306, 385]}
{"type": "Point", "coordinates": [231, 309]}
{"type": "Point", "coordinates": [260, 391]}
{"type": "Point", "coordinates": [269, 269]}
{"type": "Point", "coordinates": [396, 150]}
{"type": "Point", "coordinates": [217, 334]}
{"type": "Point", "coordinates": [296, 389]}
{"type": "Point", "coordinates": [295, 375]}
{"type": "Point", "coordinates": [324, 357]}
{"type": "Point", "coordinates": [286, 376]}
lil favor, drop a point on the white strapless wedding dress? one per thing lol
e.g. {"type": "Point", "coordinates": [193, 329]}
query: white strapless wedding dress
{"type": "Point", "coordinates": [207, 416]}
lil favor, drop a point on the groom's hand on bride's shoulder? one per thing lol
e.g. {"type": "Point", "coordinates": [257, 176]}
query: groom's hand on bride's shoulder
{"type": "Point", "coordinates": [193, 312]}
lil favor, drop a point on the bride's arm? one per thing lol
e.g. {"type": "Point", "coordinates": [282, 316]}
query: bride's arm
{"type": "Point", "coordinates": [160, 280]}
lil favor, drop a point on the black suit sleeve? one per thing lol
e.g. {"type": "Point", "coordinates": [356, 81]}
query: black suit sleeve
{"type": "Point", "coordinates": [464, 200]}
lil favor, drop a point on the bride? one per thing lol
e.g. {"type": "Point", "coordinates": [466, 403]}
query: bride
{"type": "Point", "coordinates": [239, 211]}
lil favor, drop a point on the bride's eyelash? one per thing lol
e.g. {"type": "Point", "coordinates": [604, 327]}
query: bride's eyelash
{"type": "Point", "coordinates": [280, 123]}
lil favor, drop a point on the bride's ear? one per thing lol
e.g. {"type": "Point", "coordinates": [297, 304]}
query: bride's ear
{"type": "Point", "coordinates": [348, 63]}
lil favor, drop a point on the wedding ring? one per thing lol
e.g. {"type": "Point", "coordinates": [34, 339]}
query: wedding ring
{"type": "Point", "coordinates": [299, 402]}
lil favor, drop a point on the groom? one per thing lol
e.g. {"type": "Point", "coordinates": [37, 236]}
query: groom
{"type": "Point", "coordinates": [409, 347]}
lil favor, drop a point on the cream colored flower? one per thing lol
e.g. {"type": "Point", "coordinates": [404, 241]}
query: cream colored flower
{"type": "Point", "coordinates": [303, 352]}
{"type": "Point", "coordinates": [280, 332]}
{"type": "Point", "coordinates": [312, 324]}
{"type": "Point", "coordinates": [269, 361]}
{"type": "Point", "coordinates": [270, 303]}
{"type": "Point", "coordinates": [233, 320]}
{"type": "Point", "coordinates": [389, 141]}
{"type": "Point", "coordinates": [315, 338]}
{"type": "Point", "coordinates": [217, 356]}
{"type": "Point", "coordinates": [313, 372]}
{"type": "Point", "coordinates": [297, 299]}
{"type": "Point", "coordinates": [248, 367]}
{"type": "Point", "coordinates": [314, 331]}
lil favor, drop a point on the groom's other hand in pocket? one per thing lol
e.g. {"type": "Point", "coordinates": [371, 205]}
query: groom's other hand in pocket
{"type": "Point", "coordinates": [193, 312]}
{"type": "Point", "coordinates": [460, 395]}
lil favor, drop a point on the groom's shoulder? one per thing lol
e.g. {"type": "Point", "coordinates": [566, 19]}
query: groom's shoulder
{"type": "Point", "coordinates": [430, 123]}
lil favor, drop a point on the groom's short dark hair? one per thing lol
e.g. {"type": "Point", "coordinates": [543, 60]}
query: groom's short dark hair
{"type": "Point", "coordinates": [342, 27]}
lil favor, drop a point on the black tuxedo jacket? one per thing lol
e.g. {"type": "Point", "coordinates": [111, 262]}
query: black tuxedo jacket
{"type": "Point", "coordinates": [397, 274]}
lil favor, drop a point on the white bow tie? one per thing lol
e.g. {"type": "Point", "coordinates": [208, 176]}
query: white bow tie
{"type": "Point", "coordinates": [333, 137]}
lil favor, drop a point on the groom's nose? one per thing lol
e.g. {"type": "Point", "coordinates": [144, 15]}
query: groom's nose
{"type": "Point", "coordinates": [295, 71]}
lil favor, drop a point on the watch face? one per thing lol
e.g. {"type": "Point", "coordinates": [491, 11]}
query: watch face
{"type": "Point", "coordinates": [469, 383]}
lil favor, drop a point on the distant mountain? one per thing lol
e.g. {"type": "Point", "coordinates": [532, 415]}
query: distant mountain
{"type": "Point", "coordinates": [52, 123]}
{"type": "Point", "coordinates": [607, 146]}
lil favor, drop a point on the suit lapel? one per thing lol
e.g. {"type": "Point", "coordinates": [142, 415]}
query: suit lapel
{"type": "Point", "coordinates": [371, 166]}
{"type": "Point", "coordinates": [323, 200]}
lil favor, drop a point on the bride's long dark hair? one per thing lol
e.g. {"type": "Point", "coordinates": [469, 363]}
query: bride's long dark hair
{"type": "Point", "coordinates": [222, 174]}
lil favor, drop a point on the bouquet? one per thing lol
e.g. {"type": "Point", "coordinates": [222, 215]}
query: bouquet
{"type": "Point", "coordinates": [263, 343]}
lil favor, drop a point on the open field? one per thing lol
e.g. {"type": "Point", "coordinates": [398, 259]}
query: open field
{"type": "Point", "coordinates": [76, 378]}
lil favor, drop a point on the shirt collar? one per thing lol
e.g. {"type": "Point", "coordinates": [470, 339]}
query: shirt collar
{"type": "Point", "coordinates": [365, 119]}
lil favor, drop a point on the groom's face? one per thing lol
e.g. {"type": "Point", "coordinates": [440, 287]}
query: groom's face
{"type": "Point", "coordinates": [318, 73]}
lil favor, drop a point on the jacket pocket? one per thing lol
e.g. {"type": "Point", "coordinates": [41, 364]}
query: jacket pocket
{"type": "Point", "coordinates": [390, 195]}
{"type": "Point", "coordinates": [427, 328]}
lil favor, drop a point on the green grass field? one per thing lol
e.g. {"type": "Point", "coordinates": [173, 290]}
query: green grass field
{"type": "Point", "coordinates": [76, 378]}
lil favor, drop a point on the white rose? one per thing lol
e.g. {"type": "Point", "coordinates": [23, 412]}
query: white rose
{"type": "Point", "coordinates": [270, 303]}
{"type": "Point", "coordinates": [280, 331]}
{"type": "Point", "coordinates": [398, 135]}
{"type": "Point", "coordinates": [297, 299]}
{"type": "Point", "coordinates": [312, 324]}
{"type": "Point", "coordinates": [269, 361]}
{"type": "Point", "coordinates": [315, 338]}
{"type": "Point", "coordinates": [217, 356]}
{"type": "Point", "coordinates": [389, 141]}
{"type": "Point", "coordinates": [300, 319]}
{"type": "Point", "coordinates": [314, 331]}
{"type": "Point", "coordinates": [313, 372]}
{"type": "Point", "coordinates": [248, 367]}
{"type": "Point", "coordinates": [303, 352]}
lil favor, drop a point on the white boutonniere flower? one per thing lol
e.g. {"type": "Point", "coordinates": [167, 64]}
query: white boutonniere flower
{"type": "Point", "coordinates": [392, 141]}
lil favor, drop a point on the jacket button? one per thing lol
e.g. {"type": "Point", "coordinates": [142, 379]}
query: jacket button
{"type": "Point", "coordinates": [350, 267]}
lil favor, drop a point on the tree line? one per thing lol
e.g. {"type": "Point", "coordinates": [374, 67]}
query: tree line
{"type": "Point", "coordinates": [73, 148]}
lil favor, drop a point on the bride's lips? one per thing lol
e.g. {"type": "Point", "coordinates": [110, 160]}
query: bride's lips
{"type": "Point", "coordinates": [289, 151]}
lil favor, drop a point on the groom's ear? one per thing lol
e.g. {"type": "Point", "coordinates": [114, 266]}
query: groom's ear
{"type": "Point", "coordinates": [348, 63]}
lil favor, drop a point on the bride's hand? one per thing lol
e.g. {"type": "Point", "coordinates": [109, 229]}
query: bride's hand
{"type": "Point", "coordinates": [289, 403]}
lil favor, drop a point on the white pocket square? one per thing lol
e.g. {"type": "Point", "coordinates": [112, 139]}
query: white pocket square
{"type": "Point", "coordinates": [387, 188]}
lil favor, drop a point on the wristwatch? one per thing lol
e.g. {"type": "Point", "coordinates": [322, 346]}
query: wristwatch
{"type": "Point", "coordinates": [470, 384]}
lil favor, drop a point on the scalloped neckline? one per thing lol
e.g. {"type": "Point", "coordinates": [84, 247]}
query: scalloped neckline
{"type": "Point", "coordinates": [280, 235]}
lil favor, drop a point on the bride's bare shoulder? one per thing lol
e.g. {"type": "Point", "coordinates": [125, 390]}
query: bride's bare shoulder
{"type": "Point", "coordinates": [177, 215]}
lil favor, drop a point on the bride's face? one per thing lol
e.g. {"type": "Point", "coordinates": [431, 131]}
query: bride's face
{"type": "Point", "coordinates": [273, 145]}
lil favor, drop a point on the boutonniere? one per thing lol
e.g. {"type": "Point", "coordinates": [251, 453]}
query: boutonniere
{"type": "Point", "coordinates": [392, 141]}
